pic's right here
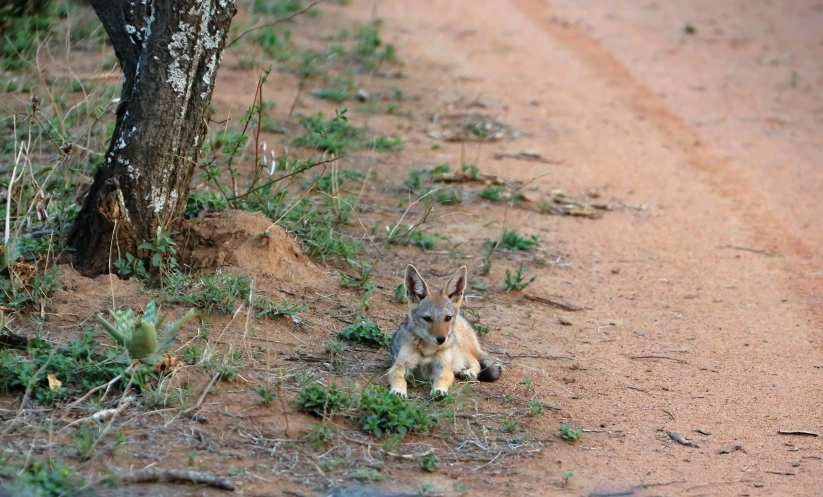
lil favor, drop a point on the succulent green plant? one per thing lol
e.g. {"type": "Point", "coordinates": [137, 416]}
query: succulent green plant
{"type": "Point", "coordinates": [139, 335]}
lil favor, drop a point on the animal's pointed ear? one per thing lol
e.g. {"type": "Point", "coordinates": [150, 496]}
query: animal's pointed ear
{"type": "Point", "coordinates": [456, 285]}
{"type": "Point", "coordinates": [416, 288]}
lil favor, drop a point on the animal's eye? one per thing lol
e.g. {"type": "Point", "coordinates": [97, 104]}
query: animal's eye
{"type": "Point", "coordinates": [447, 318]}
{"type": "Point", "coordinates": [427, 319]}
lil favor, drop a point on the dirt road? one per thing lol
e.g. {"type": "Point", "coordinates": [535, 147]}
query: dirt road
{"type": "Point", "coordinates": [704, 307]}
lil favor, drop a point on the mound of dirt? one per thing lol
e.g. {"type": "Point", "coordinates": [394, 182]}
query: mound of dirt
{"type": "Point", "coordinates": [246, 240]}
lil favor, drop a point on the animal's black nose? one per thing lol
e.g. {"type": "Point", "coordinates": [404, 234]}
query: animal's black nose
{"type": "Point", "coordinates": [441, 339]}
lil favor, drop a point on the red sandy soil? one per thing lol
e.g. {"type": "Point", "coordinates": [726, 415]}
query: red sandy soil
{"type": "Point", "coordinates": [701, 308]}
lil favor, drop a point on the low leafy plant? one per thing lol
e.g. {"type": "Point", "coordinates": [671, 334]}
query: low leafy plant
{"type": "Point", "coordinates": [509, 425]}
{"type": "Point", "coordinates": [139, 336]}
{"type": "Point", "coordinates": [449, 196]}
{"type": "Point", "coordinates": [367, 475]}
{"type": "Point", "coordinates": [491, 193]}
{"type": "Point", "coordinates": [535, 407]}
{"type": "Point", "coordinates": [516, 281]}
{"type": "Point", "coordinates": [131, 267]}
{"type": "Point", "coordinates": [512, 240]}
{"type": "Point", "coordinates": [333, 135]}
{"type": "Point", "coordinates": [385, 144]}
{"type": "Point", "coordinates": [78, 365]}
{"type": "Point", "coordinates": [474, 318]}
{"type": "Point", "coordinates": [367, 333]}
{"type": "Point", "coordinates": [319, 434]}
{"type": "Point", "coordinates": [317, 400]}
{"type": "Point", "coordinates": [382, 413]}
{"type": "Point", "coordinates": [428, 463]}
{"type": "Point", "coordinates": [266, 395]}
{"type": "Point", "coordinates": [50, 479]}
{"type": "Point", "coordinates": [270, 310]}
{"type": "Point", "coordinates": [221, 292]}
{"type": "Point", "coordinates": [400, 294]}
{"type": "Point", "coordinates": [424, 240]}
{"type": "Point", "coordinates": [567, 432]}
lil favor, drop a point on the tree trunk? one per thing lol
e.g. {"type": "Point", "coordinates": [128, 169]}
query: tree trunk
{"type": "Point", "coordinates": [169, 51]}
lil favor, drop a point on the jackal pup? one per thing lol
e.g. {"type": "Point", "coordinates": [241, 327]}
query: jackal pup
{"type": "Point", "coordinates": [436, 342]}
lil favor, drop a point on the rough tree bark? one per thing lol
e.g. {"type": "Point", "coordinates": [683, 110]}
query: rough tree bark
{"type": "Point", "coordinates": [169, 51]}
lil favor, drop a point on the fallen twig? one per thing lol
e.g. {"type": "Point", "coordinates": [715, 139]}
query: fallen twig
{"type": "Point", "coordinates": [681, 361]}
{"type": "Point", "coordinates": [730, 449]}
{"type": "Point", "coordinates": [681, 440]}
{"type": "Point", "coordinates": [103, 415]}
{"type": "Point", "coordinates": [556, 303]}
{"type": "Point", "coordinates": [203, 395]}
{"type": "Point", "coordinates": [778, 472]}
{"type": "Point", "coordinates": [749, 249]}
{"type": "Point", "coordinates": [95, 389]}
{"type": "Point", "coordinates": [530, 356]}
{"type": "Point", "coordinates": [527, 156]}
{"type": "Point", "coordinates": [798, 432]}
{"type": "Point", "coordinates": [154, 475]}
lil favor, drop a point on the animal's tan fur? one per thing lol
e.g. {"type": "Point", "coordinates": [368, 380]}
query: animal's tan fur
{"type": "Point", "coordinates": [436, 316]}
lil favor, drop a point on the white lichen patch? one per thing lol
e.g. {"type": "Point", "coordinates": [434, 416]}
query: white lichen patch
{"type": "Point", "coordinates": [178, 49]}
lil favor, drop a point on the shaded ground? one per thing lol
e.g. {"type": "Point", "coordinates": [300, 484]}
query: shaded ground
{"type": "Point", "coordinates": [699, 298]}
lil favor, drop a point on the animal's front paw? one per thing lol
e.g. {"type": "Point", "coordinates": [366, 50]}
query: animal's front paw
{"type": "Point", "coordinates": [438, 392]}
{"type": "Point", "coordinates": [466, 375]}
{"type": "Point", "coordinates": [399, 392]}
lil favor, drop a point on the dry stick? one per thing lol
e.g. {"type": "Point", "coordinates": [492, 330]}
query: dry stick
{"type": "Point", "coordinates": [681, 361]}
{"type": "Point", "coordinates": [156, 475]}
{"type": "Point", "coordinates": [749, 249]}
{"type": "Point", "coordinates": [114, 416]}
{"type": "Point", "coordinates": [556, 303]}
{"type": "Point", "coordinates": [270, 24]}
{"type": "Point", "coordinates": [95, 389]}
{"type": "Point", "coordinates": [197, 405]}
{"type": "Point", "coordinates": [798, 432]}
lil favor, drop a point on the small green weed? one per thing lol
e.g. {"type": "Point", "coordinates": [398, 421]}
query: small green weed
{"type": "Point", "coordinates": [512, 240]}
{"type": "Point", "coordinates": [509, 425]}
{"type": "Point", "coordinates": [319, 435]}
{"type": "Point", "coordinates": [424, 240]}
{"type": "Point", "coordinates": [193, 354]}
{"type": "Point", "coordinates": [163, 251]}
{"type": "Point", "coordinates": [383, 413]}
{"type": "Point", "coordinates": [131, 267]}
{"type": "Point", "coordinates": [400, 294]}
{"type": "Point", "coordinates": [266, 395]}
{"type": "Point", "coordinates": [535, 408]}
{"type": "Point", "coordinates": [84, 438]}
{"type": "Point", "coordinates": [78, 364]}
{"type": "Point", "coordinates": [335, 347]}
{"type": "Point", "coordinates": [200, 203]}
{"type": "Point", "coordinates": [333, 135]}
{"type": "Point", "coordinates": [217, 292]}
{"type": "Point", "coordinates": [428, 463]}
{"type": "Point", "coordinates": [367, 475]}
{"type": "Point", "coordinates": [491, 193]}
{"type": "Point", "coordinates": [449, 196]}
{"type": "Point", "coordinates": [50, 480]}
{"type": "Point", "coordinates": [517, 281]}
{"type": "Point", "coordinates": [568, 433]}
{"type": "Point", "coordinates": [317, 400]}
{"type": "Point", "coordinates": [270, 310]}
{"type": "Point", "coordinates": [367, 333]}
{"type": "Point", "coordinates": [527, 383]}
{"type": "Point", "coordinates": [474, 318]}
{"type": "Point", "coordinates": [385, 144]}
